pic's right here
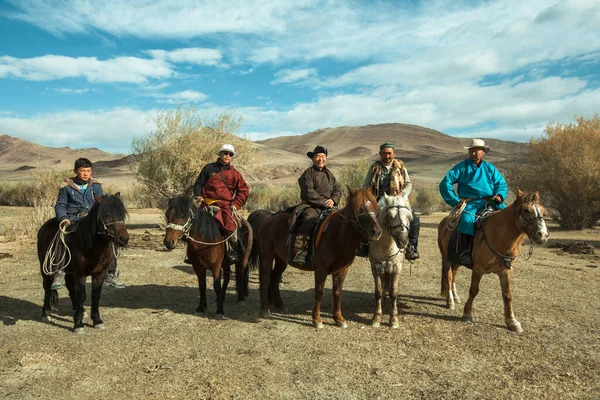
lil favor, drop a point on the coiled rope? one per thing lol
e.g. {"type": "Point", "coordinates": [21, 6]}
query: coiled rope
{"type": "Point", "coordinates": [48, 267]}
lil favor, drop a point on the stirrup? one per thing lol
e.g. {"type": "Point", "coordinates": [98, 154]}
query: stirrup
{"type": "Point", "coordinates": [300, 257]}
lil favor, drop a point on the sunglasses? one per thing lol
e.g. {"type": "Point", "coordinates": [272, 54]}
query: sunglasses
{"type": "Point", "coordinates": [227, 153]}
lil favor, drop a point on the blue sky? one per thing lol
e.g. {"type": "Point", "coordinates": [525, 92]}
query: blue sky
{"type": "Point", "coordinates": [84, 73]}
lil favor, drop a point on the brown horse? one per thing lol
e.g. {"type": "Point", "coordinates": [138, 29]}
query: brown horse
{"type": "Point", "coordinates": [206, 249]}
{"type": "Point", "coordinates": [495, 247]}
{"type": "Point", "coordinates": [91, 251]}
{"type": "Point", "coordinates": [256, 219]}
{"type": "Point", "coordinates": [333, 255]}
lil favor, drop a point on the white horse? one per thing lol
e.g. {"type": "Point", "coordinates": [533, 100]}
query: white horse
{"type": "Point", "coordinates": [387, 253]}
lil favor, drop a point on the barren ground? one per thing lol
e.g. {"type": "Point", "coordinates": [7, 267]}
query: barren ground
{"type": "Point", "coordinates": [154, 346]}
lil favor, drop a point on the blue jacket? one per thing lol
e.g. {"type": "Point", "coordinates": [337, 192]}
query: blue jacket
{"type": "Point", "coordinates": [72, 203]}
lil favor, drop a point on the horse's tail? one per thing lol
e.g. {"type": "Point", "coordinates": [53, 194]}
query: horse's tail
{"type": "Point", "coordinates": [442, 229]}
{"type": "Point", "coordinates": [249, 243]}
{"type": "Point", "coordinates": [253, 260]}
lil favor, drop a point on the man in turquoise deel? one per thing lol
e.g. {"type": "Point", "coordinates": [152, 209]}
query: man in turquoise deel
{"type": "Point", "coordinates": [478, 182]}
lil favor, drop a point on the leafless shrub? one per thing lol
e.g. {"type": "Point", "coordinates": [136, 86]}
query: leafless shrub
{"type": "Point", "coordinates": [564, 166]}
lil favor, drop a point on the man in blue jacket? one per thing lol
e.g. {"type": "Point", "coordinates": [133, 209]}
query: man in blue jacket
{"type": "Point", "coordinates": [478, 182]}
{"type": "Point", "coordinates": [74, 202]}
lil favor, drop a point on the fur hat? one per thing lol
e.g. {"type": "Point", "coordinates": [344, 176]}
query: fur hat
{"type": "Point", "coordinates": [227, 147]}
{"type": "Point", "coordinates": [317, 150]}
{"type": "Point", "coordinates": [478, 143]}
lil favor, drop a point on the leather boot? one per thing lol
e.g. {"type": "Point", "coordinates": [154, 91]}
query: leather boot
{"type": "Point", "coordinates": [465, 246]}
{"type": "Point", "coordinates": [363, 250]}
{"type": "Point", "coordinates": [413, 238]}
{"type": "Point", "coordinates": [300, 249]}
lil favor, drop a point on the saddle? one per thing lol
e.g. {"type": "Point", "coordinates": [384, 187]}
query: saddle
{"type": "Point", "coordinates": [320, 227]}
{"type": "Point", "coordinates": [455, 246]}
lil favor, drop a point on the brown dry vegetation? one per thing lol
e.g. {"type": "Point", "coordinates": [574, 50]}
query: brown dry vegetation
{"type": "Point", "coordinates": [154, 347]}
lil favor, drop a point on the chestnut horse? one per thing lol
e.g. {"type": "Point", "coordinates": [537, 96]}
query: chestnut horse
{"type": "Point", "coordinates": [206, 249]}
{"type": "Point", "coordinates": [333, 255]}
{"type": "Point", "coordinates": [495, 247]}
{"type": "Point", "coordinates": [91, 251]}
{"type": "Point", "coordinates": [387, 254]}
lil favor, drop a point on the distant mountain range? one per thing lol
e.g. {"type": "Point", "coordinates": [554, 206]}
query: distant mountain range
{"type": "Point", "coordinates": [427, 153]}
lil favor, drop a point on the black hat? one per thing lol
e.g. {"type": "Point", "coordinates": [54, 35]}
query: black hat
{"type": "Point", "coordinates": [317, 150]}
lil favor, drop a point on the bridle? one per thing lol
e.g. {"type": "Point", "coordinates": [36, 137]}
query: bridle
{"type": "Point", "coordinates": [538, 216]}
{"type": "Point", "coordinates": [400, 225]}
{"type": "Point", "coordinates": [185, 228]}
{"type": "Point", "coordinates": [107, 231]}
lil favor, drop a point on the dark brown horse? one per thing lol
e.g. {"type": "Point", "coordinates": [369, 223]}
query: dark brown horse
{"type": "Point", "coordinates": [92, 251]}
{"type": "Point", "coordinates": [256, 219]}
{"type": "Point", "coordinates": [495, 248]}
{"type": "Point", "coordinates": [333, 256]}
{"type": "Point", "coordinates": [206, 249]}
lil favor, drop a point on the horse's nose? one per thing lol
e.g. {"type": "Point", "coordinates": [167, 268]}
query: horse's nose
{"type": "Point", "coordinates": [375, 233]}
{"type": "Point", "coordinates": [169, 244]}
{"type": "Point", "coordinates": [543, 236]}
{"type": "Point", "coordinates": [122, 240]}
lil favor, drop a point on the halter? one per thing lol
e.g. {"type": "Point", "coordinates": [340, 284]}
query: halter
{"type": "Point", "coordinates": [185, 228]}
{"type": "Point", "coordinates": [106, 231]}
{"type": "Point", "coordinates": [509, 259]}
{"type": "Point", "coordinates": [401, 225]}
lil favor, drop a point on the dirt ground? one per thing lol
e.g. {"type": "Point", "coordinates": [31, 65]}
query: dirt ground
{"type": "Point", "coordinates": [155, 347]}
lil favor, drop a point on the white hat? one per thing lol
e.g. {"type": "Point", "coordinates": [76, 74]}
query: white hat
{"type": "Point", "coordinates": [227, 147]}
{"type": "Point", "coordinates": [478, 143]}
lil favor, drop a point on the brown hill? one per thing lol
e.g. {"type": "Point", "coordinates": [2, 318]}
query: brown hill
{"type": "Point", "coordinates": [427, 152]}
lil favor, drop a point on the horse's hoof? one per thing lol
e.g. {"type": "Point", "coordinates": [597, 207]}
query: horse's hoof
{"type": "Point", "coordinates": [85, 314]}
{"type": "Point", "coordinates": [514, 325]}
{"type": "Point", "coordinates": [376, 324]}
{"type": "Point", "coordinates": [318, 325]}
{"type": "Point", "coordinates": [100, 327]}
{"type": "Point", "coordinates": [78, 331]}
{"type": "Point", "coordinates": [450, 306]}
{"type": "Point", "coordinates": [265, 314]}
{"type": "Point", "coordinates": [467, 318]}
{"type": "Point", "coordinates": [281, 285]}
{"type": "Point", "coordinates": [394, 324]}
{"type": "Point", "coordinates": [219, 317]}
{"type": "Point", "coordinates": [341, 324]}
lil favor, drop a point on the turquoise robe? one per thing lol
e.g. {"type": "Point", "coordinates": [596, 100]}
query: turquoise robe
{"type": "Point", "coordinates": [476, 183]}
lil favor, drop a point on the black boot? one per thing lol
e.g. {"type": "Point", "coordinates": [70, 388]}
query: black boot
{"type": "Point", "coordinates": [363, 250]}
{"type": "Point", "coordinates": [413, 238]}
{"type": "Point", "coordinates": [230, 253]}
{"type": "Point", "coordinates": [465, 245]}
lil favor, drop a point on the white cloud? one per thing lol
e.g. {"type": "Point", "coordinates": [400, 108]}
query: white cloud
{"type": "Point", "coordinates": [294, 75]}
{"type": "Point", "coordinates": [186, 96]}
{"type": "Point", "coordinates": [51, 67]}
{"type": "Point", "coordinates": [191, 55]}
{"type": "Point", "coordinates": [69, 91]}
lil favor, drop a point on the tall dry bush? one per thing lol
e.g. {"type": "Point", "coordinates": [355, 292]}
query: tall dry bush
{"type": "Point", "coordinates": [273, 197]}
{"type": "Point", "coordinates": [42, 197]}
{"type": "Point", "coordinates": [170, 157]}
{"type": "Point", "coordinates": [564, 165]}
{"type": "Point", "coordinates": [427, 200]}
{"type": "Point", "coordinates": [15, 194]}
{"type": "Point", "coordinates": [353, 175]}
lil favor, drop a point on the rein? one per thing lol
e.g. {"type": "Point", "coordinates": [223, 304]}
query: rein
{"type": "Point", "coordinates": [185, 229]}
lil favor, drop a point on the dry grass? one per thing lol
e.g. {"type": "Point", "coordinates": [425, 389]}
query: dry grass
{"type": "Point", "coordinates": [154, 347]}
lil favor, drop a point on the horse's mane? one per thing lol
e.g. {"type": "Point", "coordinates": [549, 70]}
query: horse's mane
{"type": "Point", "coordinates": [531, 197]}
{"type": "Point", "coordinates": [111, 209]}
{"type": "Point", "coordinates": [179, 207]}
{"type": "Point", "coordinates": [203, 222]}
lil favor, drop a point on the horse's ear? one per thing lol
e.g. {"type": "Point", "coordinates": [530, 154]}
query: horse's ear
{"type": "Point", "coordinates": [118, 195]}
{"type": "Point", "coordinates": [351, 191]}
{"type": "Point", "coordinates": [520, 193]}
{"type": "Point", "coordinates": [98, 198]}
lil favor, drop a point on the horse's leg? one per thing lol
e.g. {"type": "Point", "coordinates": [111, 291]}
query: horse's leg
{"type": "Point", "coordinates": [274, 292]}
{"type": "Point", "coordinates": [97, 281]}
{"type": "Point", "coordinates": [266, 266]}
{"type": "Point", "coordinates": [376, 321]}
{"type": "Point", "coordinates": [455, 269]}
{"type": "Point", "coordinates": [47, 307]}
{"type": "Point", "coordinates": [447, 280]}
{"type": "Point", "coordinates": [338, 284]}
{"type": "Point", "coordinates": [201, 275]}
{"type": "Point", "coordinates": [216, 272]}
{"type": "Point", "coordinates": [320, 278]}
{"type": "Point", "coordinates": [395, 279]}
{"type": "Point", "coordinates": [79, 290]}
{"type": "Point", "coordinates": [473, 290]}
{"type": "Point", "coordinates": [241, 282]}
{"type": "Point", "coordinates": [509, 316]}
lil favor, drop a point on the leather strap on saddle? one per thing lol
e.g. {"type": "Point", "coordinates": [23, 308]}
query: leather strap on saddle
{"type": "Point", "coordinates": [323, 228]}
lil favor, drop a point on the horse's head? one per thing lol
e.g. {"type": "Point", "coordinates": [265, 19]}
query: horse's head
{"type": "Point", "coordinates": [530, 216]}
{"type": "Point", "coordinates": [111, 218]}
{"type": "Point", "coordinates": [395, 216]}
{"type": "Point", "coordinates": [364, 209]}
{"type": "Point", "coordinates": [179, 216]}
